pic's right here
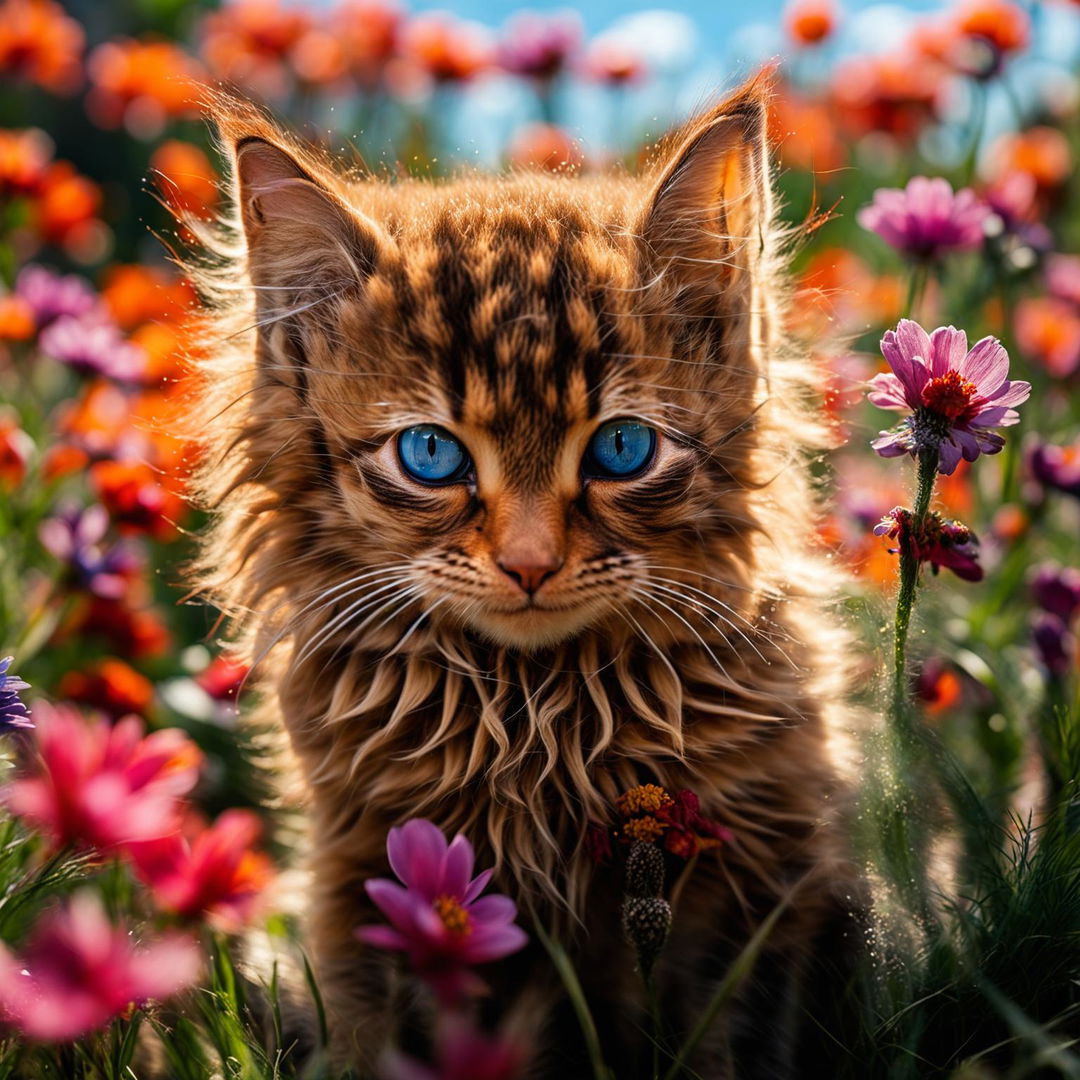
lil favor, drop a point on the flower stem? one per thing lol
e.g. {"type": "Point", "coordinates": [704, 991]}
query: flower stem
{"type": "Point", "coordinates": [909, 576]}
{"type": "Point", "coordinates": [654, 1013]}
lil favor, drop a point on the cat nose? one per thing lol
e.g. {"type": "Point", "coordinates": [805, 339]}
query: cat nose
{"type": "Point", "coordinates": [530, 573]}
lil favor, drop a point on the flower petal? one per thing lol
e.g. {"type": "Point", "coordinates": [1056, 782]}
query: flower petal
{"type": "Point", "coordinates": [486, 944]}
{"type": "Point", "coordinates": [395, 902]}
{"type": "Point", "coordinates": [457, 867]}
{"type": "Point", "coordinates": [416, 851]}
{"type": "Point", "coordinates": [948, 350]}
{"type": "Point", "coordinates": [1011, 393]}
{"type": "Point", "coordinates": [901, 347]}
{"type": "Point", "coordinates": [986, 365]}
{"type": "Point", "coordinates": [949, 455]}
{"type": "Point", "coordinates": [889, 392]}
{"type": "Point", "coordinates": [477, 885]}
{"type": "Point", "coordinates": [383, 937]}
{"type": "Point", "coordinates": [890, 444]}
{"type": "Point", "coordinates": [494, 909]}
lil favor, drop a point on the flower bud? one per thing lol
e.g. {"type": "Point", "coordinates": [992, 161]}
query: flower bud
{"type": "Point", "coordinates": [644, 870]}
{"type": "Point", "coordinates": [646, 922]}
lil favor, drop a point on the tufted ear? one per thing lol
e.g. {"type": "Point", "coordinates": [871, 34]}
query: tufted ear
{"type": "Point", "coordinates": [303, 241]}
{"type": "Point", "coordinates": [707, 218]}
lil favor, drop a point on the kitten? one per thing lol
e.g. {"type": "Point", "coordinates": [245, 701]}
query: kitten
{"type": "Point", "coordinates": [510, 506]}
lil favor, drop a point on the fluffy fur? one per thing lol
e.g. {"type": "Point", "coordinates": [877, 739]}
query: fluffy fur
{"type": "Point", "coordinates": [682, 638]}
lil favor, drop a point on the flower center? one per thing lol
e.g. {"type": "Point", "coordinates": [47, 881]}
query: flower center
{"type": "Point", "coordinates": [949, 394]}
{"type": "Point", "coordinates": [454, 917]}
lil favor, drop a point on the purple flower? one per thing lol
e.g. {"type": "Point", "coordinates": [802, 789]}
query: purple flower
{"type": "Point", "coordinates": [925, 219]}
{"type": "Point", "coordinates": [74, 536]}
{"type": "Point", "coordinates": [438, 915]}
{"type": "Point", "coordinates": [1056, 467]}
{"type": "Point", "coordinates": [954, 393]}
{"type": "Point", "coordinates": [1057, 589]}
{"type": "Point", "coordinates": [13, 713]}
{"type": "Point", "coordinates": [538, 46]}
{"type": "Point", "coordinates": [51, 296]}
{"type": "Point", "coordinates": [1055, 645]}
{"type": "Point", "coordinates": [93, 346]}
{"type": "Point", "coordinates": [939, 542]}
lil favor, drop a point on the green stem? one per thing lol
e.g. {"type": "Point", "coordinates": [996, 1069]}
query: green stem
{"type": "Point", "coordinates": [909, 577]}
{"type": "Point", "coordinates": [920, 276]}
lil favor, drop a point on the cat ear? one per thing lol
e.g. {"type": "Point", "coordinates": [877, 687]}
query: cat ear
{"type": "Point", "coordinates": [302, 239]}
{"type": "Point", "coordinates": [707, 217]}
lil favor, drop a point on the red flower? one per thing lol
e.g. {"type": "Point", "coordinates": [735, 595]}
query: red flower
{"type": "Point", "coordinates": [809, 22]}
{"type": "Point", "coordinates": [109, 685]}
{"type": "Point", "coordinates": [102, 786]}
{"type": "Point", "coordinates": [688, 830]}
{"type": "Point", "coordinates": [78, 972]}
{"type": "Point", "coordinates": [223, 677]}
{"type": "Point", "coordinates": [939, 542]}
{"type": "Point", "coordinates": [219, 875]}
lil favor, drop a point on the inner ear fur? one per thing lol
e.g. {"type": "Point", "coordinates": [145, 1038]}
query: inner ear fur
{"type": "Point", "coordinates": [709, 210]}
{"type": "Point", "coordinates": [302, 239]}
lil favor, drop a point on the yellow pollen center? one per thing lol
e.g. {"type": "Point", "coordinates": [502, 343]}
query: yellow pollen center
{"type": "Point", "coordinates": [643, 799]}
{"type": "Point", "coordinates": [454, 917]}
{"type": "Point", "coordinates": [949, 394]}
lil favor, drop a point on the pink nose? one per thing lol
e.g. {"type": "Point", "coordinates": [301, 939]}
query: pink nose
{"type": "Point", "coordinates": [530, 574]}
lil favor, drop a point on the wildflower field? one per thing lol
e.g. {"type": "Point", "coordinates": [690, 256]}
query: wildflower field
{"type": "Point", "coordinates": [929, 179]}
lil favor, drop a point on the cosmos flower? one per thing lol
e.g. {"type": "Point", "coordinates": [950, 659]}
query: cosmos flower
{"type": "Point", "coordinates": [939, 542]}
{"type": "Point", "coordinates": [101, 786]}
{"type": "Point", "coordinates": [955, 394]}
{"type": "Point", "coordinates": [438, 915]}
{"type": "Point", "coordinates": [13, 713]}
{"type": "Point", "coordinates": [93, 346]}
{"type": "Point", "coordinates": [54, 296]}
{"type": "Point", "coordinates": [218, 875]}
{"type": "Point", "coordinates": [926, 220]}
{"type": "Point", "coordinates": [78, 972]}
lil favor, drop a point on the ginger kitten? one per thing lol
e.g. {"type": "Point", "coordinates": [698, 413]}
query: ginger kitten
{"type": "Point", "coordinates": [510, 506]}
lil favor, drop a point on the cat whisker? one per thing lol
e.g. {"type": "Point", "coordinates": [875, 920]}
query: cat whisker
{"type": "Point", "coordinates": [639, 595]}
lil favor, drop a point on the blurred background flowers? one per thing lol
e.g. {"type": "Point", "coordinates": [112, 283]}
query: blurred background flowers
{"type": "Point", "coordinates": [926, 157]}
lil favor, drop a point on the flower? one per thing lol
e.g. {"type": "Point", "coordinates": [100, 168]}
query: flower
{"type": "Point", "coordinates": [1048, 329]}
{"type": "Point", "coordinates": [449, 49]}
{"type": "Point", "coordinates": [41, 43]}
{"type": "Point", "coordinates": [688, 830]}
{"type": "Point", "coordinates": [1056, 467]}
{"type": "Point", "coordinates": [461, 1053]}
{"type": "Point", "coordinates": [13, 713]}
{"type": "Point", "coordinates": [187, 179]}
{"type": "Point", "coordinates": [1057, 589]}
{"type": "Point", "coordinates": [643, 799]}
{"type": "Point", "coordinates": [102, 786]}
{"type": "Point", "coordinates": [74, 537]}
{"type": "Point", "coordinates": [646, 923]}
{"type": "Point", "coordinates": [219, 875]}
{"type": "Point", "coordinates": [110, 685]}
{"type": "Point", "coordinates": [223, 677]}
{"type": "Point", "coordinates": [939, 542]}
{"type": "Point", "coordinates": [136, 501]}
{"type": "Point", "coordinates": [1000, 25]}
{"type": "Point", "coordinates": [539, 46]}
{"type": "Point", "coordinates": [1043, 153]}
{"type": "Point", "coordinates": [938, 686]}
{"type": "Point", "coordinates": [16, 449]}
{"type": "Point", "coordinates": [809, 22]}
{"type": "Point", "coordinates": [1055, 644]}
{"type": "Point", "coordinates": [956, 394]}
{"type": "Point", "coordinates": [926, 219]}
{"type": "Point", "coordinates": [1062, 276]}
{"type": "Point", "coordinates": [613, 61]}
{"type": "Point", "coordinates": [53, 296]}
{"type": "Point", "coordinates": [438, 916]}
{"type": "Point", "coordinates": [893, 93]}
{"type": "Point", "coordinates": [78, 972]}
{"type": "Point", "coordinates": [93, 346]}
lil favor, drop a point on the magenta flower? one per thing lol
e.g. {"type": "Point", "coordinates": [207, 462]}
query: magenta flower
{"type": "Point", "coordinates": [955, 394]}
{"type": "Point", "coordinates": [926, 219]}
{"type": "Point", "coordinates": [75, 536]}
{"type": "Point", "coordinates": [462, 1053]}
{"type": "Point", "coordinates": [939, 542]}
{"type": "Point", "coordinates": [78, 972]}
{"type": "Point", "coordinates": [1056, 467]}
{"type": "Point", "coordinates": [438, 915]}
{"type": "Point", "coordinates": [539, 46]}
{"type": "Point", "coordinates": [52, 296]}
{"type": "Point", "coordinates": [1055, 644]}
{"type": "Point", "coordinates": [93, 346]}
{"type": "Point", "coordinates": [103, 786]}
{"type": "Point", "coordinates": [1057, 589]}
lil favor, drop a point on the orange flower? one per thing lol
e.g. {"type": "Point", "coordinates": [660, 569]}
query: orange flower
{"type": "Point", "coordinates": [139, 85]}
{"type": "Point", "coordinates": [16, 448]}
{"type": "Point", "coordinates": [65, 203]}
{"type": "Point", "coordinates": [39, 42]}
{"type": "Point", "coordinates": [809, 22]}
{"type": "Point", "coordinates": [1041, 152]}
{"type": "Point", "coordinates": [367, 31]}
{"type": "Point", "coordinates": [63, 459]}
{"type": "Point", "coordinates": [895, 93]}
{"type": "Point", "coordinates": [1048, 330]}
{"type": "Point", "coordinates": [645, 798]}
{"type": "Point", "coordinates": [188, 181]}
{"type": "Point", "coordinates": [447, 48]}
{"type": "Point", "coordinates": [1005, 25]}
{"type": "Point", "coordinates": [135, 499]}
{"type": "Point", "coordinates": [938, 687]}
{"type": "Point", "coordinates": [136, 294]}
{"type": "Point", "coordinates": [545, 146]}
{"type": "Point", "coordinates": [16, 319]}
{"type": "Point", "coordinates": [805, 133]}
{"type": "Point", "coordinates": [24, 158]}
{"type": "Point", "coordinates": [109, 685]}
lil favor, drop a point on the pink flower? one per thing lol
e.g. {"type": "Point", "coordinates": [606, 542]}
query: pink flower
{"type": "Point", "coordinates": [955, 394]}
{"type": "Point", "coordinates": [78, 972]}
{"type": "Point", "coordinates": [439, 917]}
{"type": "Point", "coordinates": [463, 1053]}
{"type": "Point", "coordinates": [925, 219]}
{"type": "Point", "coordinates": [218, 875]}
{"type": "Point", "coordinates": [103, 786]}
{"type": "Point", "coordinates": [939, 542]}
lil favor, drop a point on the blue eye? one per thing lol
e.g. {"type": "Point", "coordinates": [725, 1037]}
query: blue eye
{"type": "Point", "coordinates": [620, 449]}
{"type": "Point", "coordinates": [432, 455]}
